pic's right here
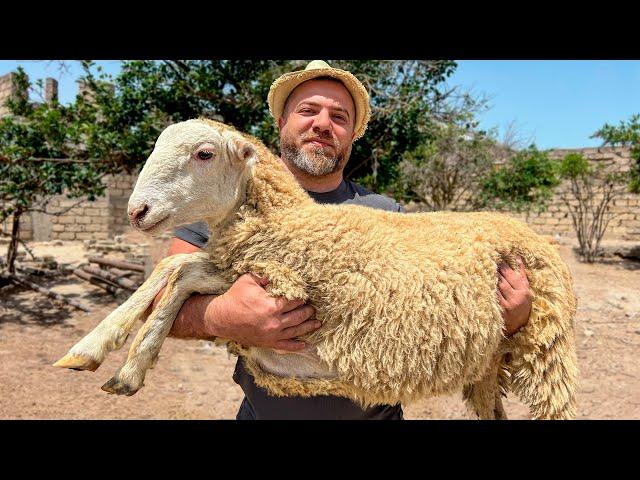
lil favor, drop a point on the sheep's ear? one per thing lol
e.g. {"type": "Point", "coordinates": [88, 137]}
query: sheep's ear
{"type": "Point", "coordinates": [240, 150]}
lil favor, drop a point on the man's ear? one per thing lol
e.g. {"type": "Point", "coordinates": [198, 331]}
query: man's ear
{"type": "Point", "coordinates": [281, 123]}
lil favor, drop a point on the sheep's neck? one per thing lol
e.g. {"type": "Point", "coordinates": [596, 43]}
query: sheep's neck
{"type": "Point", "coordinates": [271, 187]}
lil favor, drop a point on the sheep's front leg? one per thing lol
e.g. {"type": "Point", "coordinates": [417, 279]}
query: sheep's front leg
{"type": "Point", "coordinates": [112, 332]}
{"type": "Point", "coordinates": [186, 279]}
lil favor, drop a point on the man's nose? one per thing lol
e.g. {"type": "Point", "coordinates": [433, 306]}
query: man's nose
{"type": "Point", "coordinates": [322, 122]}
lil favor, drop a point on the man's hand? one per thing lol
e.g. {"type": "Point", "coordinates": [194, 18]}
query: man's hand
{"type": "Point", "coordinates": [245, 313]}
{"type": "Point", "coordinates": [515, 297]}
{"type": "Point", "coordinates": [248, 315]}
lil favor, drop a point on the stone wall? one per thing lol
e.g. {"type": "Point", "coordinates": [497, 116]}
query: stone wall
{"type": "Point", "coordinates": [7, 90]}
{"type": "Point", "coordinates": [107, 216]}
{"type": "Point", "coordinates": [556, 220]}
{"type": "Point", "coordinates": [100, 219]}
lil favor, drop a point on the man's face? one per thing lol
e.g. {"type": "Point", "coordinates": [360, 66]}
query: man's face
{"type": "Point", "coordinates": [316, 129]}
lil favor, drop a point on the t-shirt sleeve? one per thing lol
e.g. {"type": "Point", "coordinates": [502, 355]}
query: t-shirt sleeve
{"type": "Point", "coordinates": [196, 233]}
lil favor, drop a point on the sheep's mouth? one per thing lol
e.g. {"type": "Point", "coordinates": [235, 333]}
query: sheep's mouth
{"type": "Point", "coordinates": [153, 226]}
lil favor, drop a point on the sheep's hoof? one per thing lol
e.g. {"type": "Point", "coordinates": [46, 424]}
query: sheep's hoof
{"type": "Point", "coordinates": [120, 387]}
{"type": "Point", "coordinates": [75, 361]}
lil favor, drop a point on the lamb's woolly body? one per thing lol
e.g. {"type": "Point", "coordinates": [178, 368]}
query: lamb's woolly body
{"type": "Point", "coordinates": [408, 301]}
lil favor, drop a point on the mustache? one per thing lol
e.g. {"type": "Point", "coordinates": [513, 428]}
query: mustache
{"type": "Point", "coordinates": [324, 138]}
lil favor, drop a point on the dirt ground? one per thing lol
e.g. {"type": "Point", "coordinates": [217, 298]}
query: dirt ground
{"type": "Point", "coordinates": [192, 379]}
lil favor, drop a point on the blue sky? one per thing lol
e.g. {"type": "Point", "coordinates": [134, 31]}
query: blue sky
{"type": "Point", "coordinates": [555, 103]}
{"type": "Point", "coordinates": [559, 103]}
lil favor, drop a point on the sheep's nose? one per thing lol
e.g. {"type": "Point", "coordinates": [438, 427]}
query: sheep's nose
{"type": "Point", "coordinates": [137, 215]}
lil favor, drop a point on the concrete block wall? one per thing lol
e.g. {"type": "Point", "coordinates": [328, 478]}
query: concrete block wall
{"type": "Point", "coordinates": [107, 216]}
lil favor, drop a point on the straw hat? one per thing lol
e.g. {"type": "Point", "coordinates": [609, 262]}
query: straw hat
{"type": "Point", "coordinates": [284, 85]}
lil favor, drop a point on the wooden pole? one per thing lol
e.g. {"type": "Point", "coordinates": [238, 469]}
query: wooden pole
{"type": "Point", "coordinates": [121, 273]}
{"type": "Point", "coordinates": [103, 274]}
{"type": "Point", "coordinates": [97, 281]}
{"type": "Point", "coordinates": [116, 263]}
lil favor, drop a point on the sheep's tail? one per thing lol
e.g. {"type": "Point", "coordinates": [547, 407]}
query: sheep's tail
{"type": "Point", "coordinates": [484, 398]}
{"type": "Point", "coordinates": [544, 376]}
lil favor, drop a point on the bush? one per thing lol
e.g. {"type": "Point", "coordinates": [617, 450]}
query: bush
{"type": "Point", "coordinates": [526, 181]}
{"type": "Point", "coordinates": [592, 189]}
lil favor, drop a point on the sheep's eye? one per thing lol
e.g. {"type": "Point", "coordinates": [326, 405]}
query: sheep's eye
{"type": "Point", "coordinates": [204, 154]}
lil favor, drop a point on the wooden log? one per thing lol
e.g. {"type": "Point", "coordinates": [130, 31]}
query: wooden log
{"type": "Point", "coordinates": [105, 275]}
{"type": "Point", "coordinates": [30, 270]}
{"type": "Point", "coordinates": [121, 273]}
{"type": "Point", "coordinates": [98, 282]}
{"type": "Point", "coordinates": [21, 281]}
{"type": "Point", "coordinates": [40, 272]}
{"type": "Point", "coordinates": [117, 263]}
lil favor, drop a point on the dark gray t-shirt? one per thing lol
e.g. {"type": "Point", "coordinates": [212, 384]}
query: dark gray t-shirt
{"type": "Point", "coordinates": [258, 404]}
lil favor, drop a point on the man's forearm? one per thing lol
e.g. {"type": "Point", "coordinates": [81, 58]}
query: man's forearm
{"type": "Point", "coordinates": [192, 321]}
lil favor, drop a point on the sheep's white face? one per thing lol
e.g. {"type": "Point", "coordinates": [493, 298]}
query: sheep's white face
{"type": "Point", "coordinates": [195, 172]}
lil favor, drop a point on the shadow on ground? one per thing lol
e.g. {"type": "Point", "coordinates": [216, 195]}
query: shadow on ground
{"type": "Point", "coordinates": [21, 305]}
{"type": "Point", "coordinates": [628, 263]}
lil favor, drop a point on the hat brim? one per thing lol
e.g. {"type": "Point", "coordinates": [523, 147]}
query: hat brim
{"type": "Point", "coordinates": [283, 86]}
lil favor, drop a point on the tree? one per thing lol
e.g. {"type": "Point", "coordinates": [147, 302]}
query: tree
{"type": "Point", "coordinates": [45, 150]}
{"type": "Point", "coordinates": [48, 148]}
{"type": "Point", "coordinates": [592, 189]}
{"type": "Point", "coordinates": [525, 182]}
{"type": "Point", "coordinates": [445, 172]}
{"type": "Point", "coordinates": [148, 95]}
{"type": "Point", "coordinates": [406, 98]}
{"type": "Point", "coordinates": [626, 134]}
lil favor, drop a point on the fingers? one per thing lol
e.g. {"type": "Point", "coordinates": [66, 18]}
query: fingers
{"type": "Point", "coordinates": [523, 271]}
{"type": "Point", "coordinates": [503, 301]}
{"type": "Point", "coordinates": [302, 329]}
{"type": "Point", "coordinates": [504, 287]}
{"type": "Point", "coordinates": [517, 281]}
{"type": "Point", "coordinates": [297, 316]}
{"type": "Point", "coordinates": [291, 305]}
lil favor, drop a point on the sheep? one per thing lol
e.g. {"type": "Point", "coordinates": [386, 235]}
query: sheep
{"type": "Point", "coordinates": [408, 302]}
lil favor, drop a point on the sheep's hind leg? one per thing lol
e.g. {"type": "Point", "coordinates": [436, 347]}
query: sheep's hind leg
{"type": "Point", "coordinates": [112, 332]}
{"type": "Point", "coordinates": [484, 398]}
{"type": "Point", "coordinates": [185, 280]}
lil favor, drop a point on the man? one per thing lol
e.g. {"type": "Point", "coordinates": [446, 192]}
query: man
{"type": "Point", "coordinates": [320, 112]}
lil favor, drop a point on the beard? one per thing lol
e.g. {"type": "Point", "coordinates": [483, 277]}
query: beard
{"type": "Point", "coordinates": [314, 161]}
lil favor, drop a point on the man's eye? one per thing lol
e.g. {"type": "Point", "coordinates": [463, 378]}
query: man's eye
{"type": "Point", "coordinates": [204, 155]}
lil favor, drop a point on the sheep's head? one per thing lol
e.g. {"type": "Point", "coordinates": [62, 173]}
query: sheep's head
{"type": "Point", "coordinates": [195, 172]}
